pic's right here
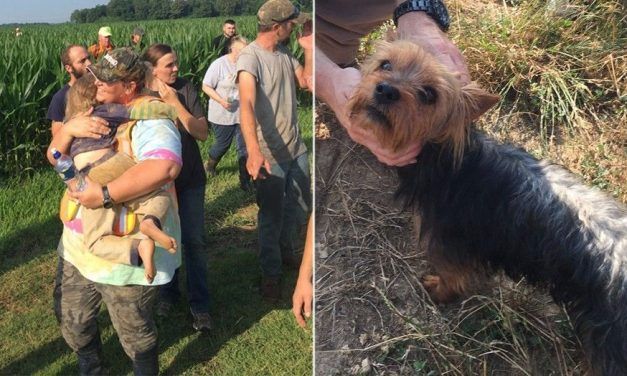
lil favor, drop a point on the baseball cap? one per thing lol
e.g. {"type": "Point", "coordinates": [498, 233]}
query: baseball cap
{"type": "Point", "coordinates": [276, 11]}
{"type": "Point", "coordinates": [138, 31]}
{"type": "Point", "coordinates": [105, 31]}
{"type": "Point", "coordinates": [118, 65]}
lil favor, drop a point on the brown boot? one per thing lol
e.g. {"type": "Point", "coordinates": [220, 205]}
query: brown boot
{"type": "Point", "coordinates": [210, 167]}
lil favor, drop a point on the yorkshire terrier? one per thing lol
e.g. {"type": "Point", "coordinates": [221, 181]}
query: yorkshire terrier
{"type": "Point", "coordinates": [484, 206]}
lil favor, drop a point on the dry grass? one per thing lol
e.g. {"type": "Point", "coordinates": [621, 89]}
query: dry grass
{"type": "Point", "coordinates": [563, 77]}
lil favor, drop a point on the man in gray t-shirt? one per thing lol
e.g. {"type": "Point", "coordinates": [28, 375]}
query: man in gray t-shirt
{"type": "Point", "coordinates": [277, 159]}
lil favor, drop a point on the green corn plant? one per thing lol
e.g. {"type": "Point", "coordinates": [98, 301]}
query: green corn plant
{"type": "Point", "coordinates": [31, 72]}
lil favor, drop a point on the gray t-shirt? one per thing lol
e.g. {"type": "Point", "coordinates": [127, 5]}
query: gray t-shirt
{"type": "Point", "coordinates": [221, 77]}
{"type": "Point", "coordinates": [275, 105]}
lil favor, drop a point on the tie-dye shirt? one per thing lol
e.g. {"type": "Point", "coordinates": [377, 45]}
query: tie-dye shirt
{"type": "Point", "coordinates": [150, 139]}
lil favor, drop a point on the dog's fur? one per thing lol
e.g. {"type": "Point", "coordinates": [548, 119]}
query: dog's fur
{"type": "Point", "coordinates": [485, 206]}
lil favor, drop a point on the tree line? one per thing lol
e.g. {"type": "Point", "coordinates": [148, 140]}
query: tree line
{"type": "Point", "coordinates": [125, 10]}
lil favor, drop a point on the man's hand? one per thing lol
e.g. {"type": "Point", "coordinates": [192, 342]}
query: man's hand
{"type": "Point", "coordinates": [254, 163]}
{"type": "Point", "coordinates": [335, 87]}
{"type": "Point", "coordinates": [422, 30]}
{"type": "Point", "coordinates": [305, 37]}
{"type": "Point", "coordinates": [301, 301]}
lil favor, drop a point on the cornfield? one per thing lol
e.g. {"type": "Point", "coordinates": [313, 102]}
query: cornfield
{"type": "Point", "coordinates": [31, 72]}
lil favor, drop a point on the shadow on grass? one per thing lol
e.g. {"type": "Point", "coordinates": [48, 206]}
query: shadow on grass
{"type": "Point", "coordinates": [43, 359]}
{"type": "Point", "coordinates": [234, 277]}
{"type": "Point", "coordinates": [38, 359]}
{"type": "Point", "coordinates": [29, 243]}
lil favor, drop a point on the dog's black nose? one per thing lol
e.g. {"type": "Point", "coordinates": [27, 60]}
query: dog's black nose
{"type": "Point", "coordinates": [385, 93]}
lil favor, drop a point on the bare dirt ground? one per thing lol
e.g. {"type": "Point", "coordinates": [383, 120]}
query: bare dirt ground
{"type": "Point", "coordinates": [372, 315]}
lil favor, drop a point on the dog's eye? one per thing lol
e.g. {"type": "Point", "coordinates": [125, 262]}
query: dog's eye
{"type": "Point", "coordinates": [386, 65]}
{"type": "Point", "coordinates": [427, 95]}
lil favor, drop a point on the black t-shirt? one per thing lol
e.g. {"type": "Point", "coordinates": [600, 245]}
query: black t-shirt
{"type": "Point", "coordinates": [56, 109]}
{"type": "Point", "coordinates": [192, 173]}
{"type": "Point", "coordinates": [222, 43]}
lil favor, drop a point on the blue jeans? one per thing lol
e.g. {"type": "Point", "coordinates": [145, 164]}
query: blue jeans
{"type": "Point", "coordinates": [284, 200]}
{"type": "Point", "coordinates": [224, 137]}
{"type": "Point", "coordinates": [192, 213]}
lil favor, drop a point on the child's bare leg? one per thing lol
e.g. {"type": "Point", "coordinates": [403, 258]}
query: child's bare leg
{"type": "Point", "coordinates": [146, 250]}
{"type": "Point", "coordinates": [149, 227]}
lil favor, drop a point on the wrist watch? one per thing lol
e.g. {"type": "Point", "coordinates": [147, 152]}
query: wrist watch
{"type": "Point", "coordinates": [107, 202]}
{"type": "Point", "coordinates": [434, 8]}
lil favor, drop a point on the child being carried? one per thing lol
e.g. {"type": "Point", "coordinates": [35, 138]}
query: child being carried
{"type": "Point", "coordinates": [97, 158]}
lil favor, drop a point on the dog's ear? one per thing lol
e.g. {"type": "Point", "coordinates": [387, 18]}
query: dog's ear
{"type": "Point", "coordinates": [477, 101]}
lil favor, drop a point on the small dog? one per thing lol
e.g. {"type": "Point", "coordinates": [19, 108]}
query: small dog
{"type": "Point", "coordinates": [484, 206]}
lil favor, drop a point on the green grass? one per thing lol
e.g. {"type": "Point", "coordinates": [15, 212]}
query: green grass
{"type": "Point", "coordinates": [250, 336]}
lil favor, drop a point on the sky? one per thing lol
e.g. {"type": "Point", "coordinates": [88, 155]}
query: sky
{"type": "Point", "coordinates": [51, 11]}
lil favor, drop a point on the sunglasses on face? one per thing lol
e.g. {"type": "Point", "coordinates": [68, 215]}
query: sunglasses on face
{"type": "Point", "coordinates": [98, 79]}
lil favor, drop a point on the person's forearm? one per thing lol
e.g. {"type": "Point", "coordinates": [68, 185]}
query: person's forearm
{"type": "Point", "coordinates": [143, 178]}
{"type": "Point", "coordinates": [55, 126]}
{"type": "Point", "coordinates": [248, 127]}
{"type": "Point", "coordinates": [416, 23]}
{"type": "Point", "coordinates": [61, 140]}
{"type": "Point", "coordinates": [307, 70]}
{"type": "Point", "coordinates": [212, 93]}
{"type": "Point", "coordinates": [248, 122]}
{"type": "Point", "coordinates": [325, 71]}
{"type": "Point", "coordinates": [305, 272]}
{"type": "Point", "coordinates": [197, 127]}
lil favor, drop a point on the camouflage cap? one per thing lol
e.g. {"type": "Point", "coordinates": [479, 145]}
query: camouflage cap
{"type": "Point", "coordinates": [138, 31]}
{"type": "Point", "coordinates": [277, 11]}
{"type": "Point", "coordinates": [121, 64]}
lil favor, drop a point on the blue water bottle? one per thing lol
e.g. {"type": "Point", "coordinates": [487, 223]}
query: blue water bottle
{"type": "Point", "coordinates": [67, 171]}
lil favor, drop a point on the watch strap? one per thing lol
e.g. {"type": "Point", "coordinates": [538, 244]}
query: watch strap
{"type": "Point", "coordinates": [434, 8]}
{"type": "Point", "coordinates": [107, 202]}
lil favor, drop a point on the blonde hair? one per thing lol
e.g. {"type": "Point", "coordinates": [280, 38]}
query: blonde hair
{"type": "Point", "coordinates": [81, 96]}
{"type": "Point", "coordinates": [237, 39]}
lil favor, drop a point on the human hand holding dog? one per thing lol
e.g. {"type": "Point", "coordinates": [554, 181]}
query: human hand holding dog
{"type": "Point", "coordinates": [421, 29]}
{"type": "Point", "coordinates": [335, 86]}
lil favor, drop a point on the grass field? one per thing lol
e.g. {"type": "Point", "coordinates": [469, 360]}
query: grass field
{"type": "Point", "coordinates": [250, 336]}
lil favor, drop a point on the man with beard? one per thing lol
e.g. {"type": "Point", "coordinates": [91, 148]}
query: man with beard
{"type": "Point", "coordinates": [223, 42]}
{"type": "Point", "coordinates": [277, 157]}
{"type": "Point", "coordinates": [75, 60]}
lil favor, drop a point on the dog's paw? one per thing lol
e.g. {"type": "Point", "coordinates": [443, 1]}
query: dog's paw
{"type": "Point", "coordinates": [437, 289]}
{"type": "Point", "coordinates": [430, 281]}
